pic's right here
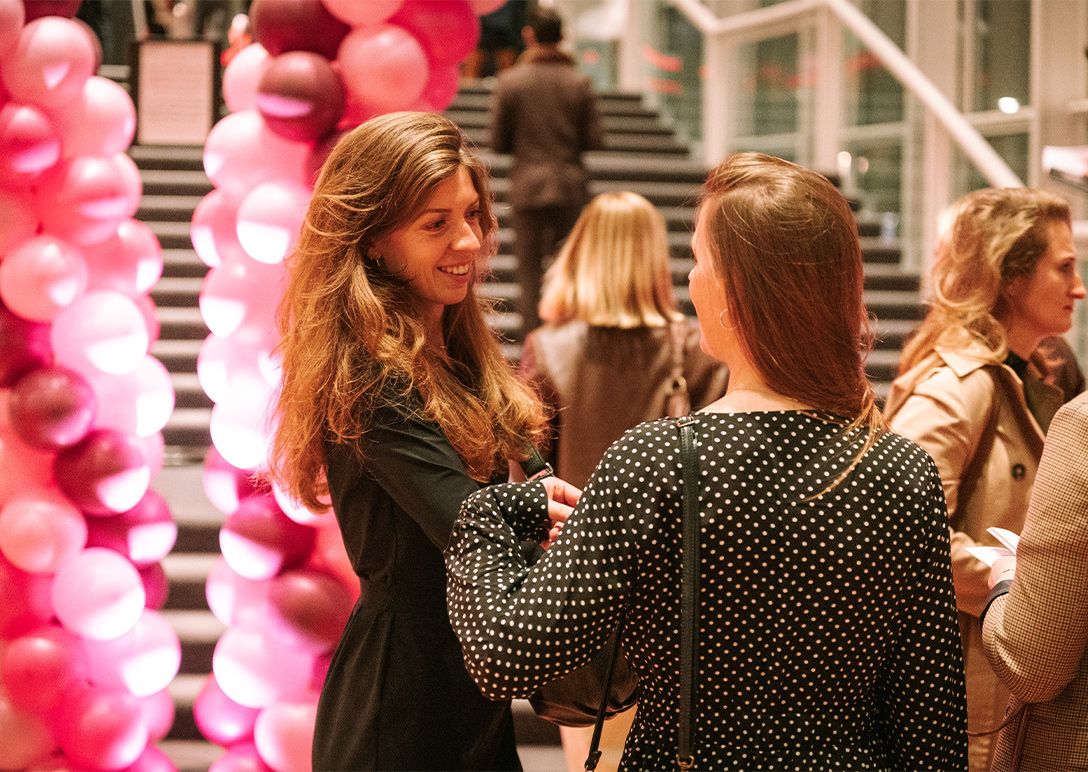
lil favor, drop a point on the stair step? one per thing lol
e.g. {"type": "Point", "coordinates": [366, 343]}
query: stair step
{"type": "Point", "coordinates": [177, 355]}
{"type": "Point", "coordinates": [167, 207]}
{"type": "Point", "coordinates": [181, 323]}
{"type": "Point", "coordinates": [894, 304]}
{"type": "Point", "coordinates": [183, 262]}
{"type": "Point", "coordinates": [172, 234]}
{"type": "Point", "coordinates": [177, 291]}
{"type": "Point", "coordinates": [188, 392]}
{"type": "Point", "coordinates": [175, 182]}
{"type": "Point", "coordinates": [188, 428]}
{"type": "Point", "coordinates": [174, 157]}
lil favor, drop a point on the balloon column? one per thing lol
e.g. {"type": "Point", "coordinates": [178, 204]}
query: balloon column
{"type": "Point", "coordinates": [283, 585]}
{"type": "Point", "coordinates": [85, 657]}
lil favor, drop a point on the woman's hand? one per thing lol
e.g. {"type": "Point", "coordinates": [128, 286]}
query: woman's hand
{"type": "Point", "coordinates": [562, 498]}
{"type": "Point", "coordinates": [1002, 569]}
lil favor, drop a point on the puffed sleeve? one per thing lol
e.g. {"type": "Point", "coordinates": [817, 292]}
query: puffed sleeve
{"type": "Point", "coordinates": [922, 709]}
{"type": "Point", "coordinates": [1035, 636]}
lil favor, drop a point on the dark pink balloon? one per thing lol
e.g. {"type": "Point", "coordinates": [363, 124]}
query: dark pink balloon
{"type": "Point", "coordinates": [299, 96]}
{"type": "Point", "coordinates": [320, 154]}
{"type": "Point", "coordinates": [259, 541]}
{"type": "Point", "coordinates": [51, 408]}
{"type": "Point", "coordinates": [40, 668]}
{"type": "Point", "coordinates": [309, 609]}
{"type": "Point", "coordinates": [296, 25]}
{"type": "Point", "coordinates": [29, 143]}
{"type": "Point", "coordinates": [384, 69]}
{"type": "Point", "coordinates": [447, 29]}
{"type": "Point", "coordinates": [84, 199]}
{"type": "Point", "coordinates": [35, 9]}
{"type": "Point", "coordinates": [24, 345]}
{"type": "Point", "coordinates": [158, 711]}
{"type": "Point", "coordinates": [441, 87]}
{"type": "Point", "coordinates": [156, 585]}
{"type": "Point", "coordinates": [12, 18]}
{"type": "Point", "coordinates": [105, 474]}
{"type": "Point", "coordinates": [227, 486]}
{"type": "Point", "coordinates": [25, 600]}
{"type": "Point", "coordinates": [242, 757]}
{"type": "Point", "coordinates": [102, 728]}
{"type": "Point", "coordinates": [144, 534]}
{"type": "Point", "coordinates": [129, 261]}
{"type": "Point", "coordinates": [18, 218]}
{"type": "Point", "coordinates": [50, 62]}
{"type": "Point", "coordinates": [100, 121]}
{"type": "Point", "coordinates": [219, 718]}
{"type": "Point", "coordinates": [152, 760]}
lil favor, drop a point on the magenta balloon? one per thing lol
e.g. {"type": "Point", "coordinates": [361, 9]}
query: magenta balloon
{"type": "Point", "coordinates": [98, 594]}
{"type": "Point", "coordinates": [320, 153]}
{"type": "Point", "coordinates": [101, 331]}
{"type": "Point", "coordinates": [259, 541]}
{"type": "Point", "coordinates": [25, 600]}
{"type": "Point", "coordinates": [219, 718]}
{"type": "Point", "coordinates": [84, 199]}
{"type": "Point", "coordinates": [12, 18]}
{"type": "Point", "coordinates": [284, 734]}
{"type": "Point", "coordinates": [239, 294]}
{"type": "Point", "coordinates": [225, 485]}
{"type": "Point", "coordinates": [214, 235]}
{"type": "Point", "coordinates": [129, 261]}
{"type": "Point", "coordinates": [40, 668]}
{"type": "Point", "coordinates": [255, 669]}
{"type": "Point", "coordinates": [242, 757]}
{"type": "Point", "coordinates": [102, 728]}
{"type": "Point", "coordinates": [18, 220]}
{"type": "Point", "coordinates": [363, 14]}
{"type": "Point", "coordinates": [299, 96]}
{"type": "Point", "coordinates": [270, 219]}
{"type": "Point", "coordinates": [234, 599]}
{"type": "Point", "coordinates": [105, 474]}
{"type": "Point", "coordinates": [41, 277]}
{"type": "Point", "coordinates": [51, 408]}
{"type": "Point", "coordinates": [447, 29]}
{"type": "Point", "coordinates": [384, 67]}
{"type": "Point", "coordinates": [309, 609]}
{"type": "Point", "coordinates": [156, 584]}
{"type": "Point", "coordinates": [442, 86]}
{"type": "Point", "coordinates": [101, 120]}
{"type": "Point", "coordinates": [40, 529]}
{"type": "Point", "coordinates": [139, 402]}
{"type": "Point", "coordinates": [296, 25]}
{"type": "Point", "coordinates": [29, 143]}
{"type": "Point", "coordinates": [152, 760]}
{"type": "Point", "coordinates": [142, 661]}
{"type": "Point", "coordinates": [49, 63]}
{"type": "Point", "coordinates": [241, 76]}
{"type": "Point", "coordinates": [144, 534]}
{"type": "Point", "coordinates": [24, 345]}
{"type": "Point", "coordinates": [241, 152]}
{"type": "Point", "coordinates": [26, 736]}
{"type": "Point", "coordinates": [484, 7]}
{"type": "Point", "coordinates": [35, 9]}
{"type": "Point", "coordinates": [158, 711]}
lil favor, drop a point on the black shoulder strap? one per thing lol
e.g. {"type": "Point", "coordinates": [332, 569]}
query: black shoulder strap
{"type": "Point", "coordinates": [689, 620]}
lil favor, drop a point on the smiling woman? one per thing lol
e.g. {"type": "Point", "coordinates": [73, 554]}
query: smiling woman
{"type": "Point", "coordinates": [396, 403]}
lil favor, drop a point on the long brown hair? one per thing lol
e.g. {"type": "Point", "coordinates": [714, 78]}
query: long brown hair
{"type": "Point", "coordinates": [352, 335]}
{"type": "Point", "coordinates": [997, 235]}
{"type": "Point", "coordinates": [785, 243]}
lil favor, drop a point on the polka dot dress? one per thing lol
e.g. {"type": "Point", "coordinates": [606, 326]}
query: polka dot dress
{"type": "Point", "coordinates": [828, 636]}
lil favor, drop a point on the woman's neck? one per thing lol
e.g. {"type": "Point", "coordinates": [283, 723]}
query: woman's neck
{"type": "Point", "coordinates": [748, 392]}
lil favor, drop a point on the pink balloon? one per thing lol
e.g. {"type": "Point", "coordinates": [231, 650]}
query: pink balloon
{"type": "Point", "coordinates": [259, 541]}
{"type": "Point", "coordinates": [320, 154]}
{"type": "Point", "coordinates": [255, 670]}
{"type": "Point", "coordinates": [242, 757]}
{"type": "Point", "coordinates": [284, 734]}
{"type": "Point", "coordinates": [142, 661]}
{"type": "Point", "coordinates": [156, 585]}
{"type": "Point", "coordinates": [384, 67]}
{"type": "Point", "coordinates": [158, 711]}
{"type": "Point", "coordinates": [241, 152]}
{"type": "Point", "coordinates": [84, 199]}
{"type": "Point", "coordinates": [309, 609]}
{"type": "Point", "coordinates": [447, 29]}
{"type": "Point", "coordinates": [295, 510]}
{"type": "Point", "coordinates": [98, 594]}
{"type": "Point", "coordinates": [101, 331]}
{"type": "Point", "coordinates": [18, 221]}
{"type": "Point", "coordinates": [129, 261]}
{"type": "Point", "coordinates": [241, 294]}
{"type": "Point", "coordinates": [152, 760]}
{"type": "Point", "coordinates": [214, 231]}
{"type": "Point", "coordinates": [299, 96]}
{"type": "Point", "coordinates": [51, 408]}
{"type": "Point", "coordinates": [226, 485]}
{"type": "Point", "coordinates": [24, 345]}
{"type": "Point", "coordinates": [41, 277]}
{"type": "Point", "coordinates": [219, 718]}
{"type": "Point", "coordinates": [144, 534]}
{"type": "Point", "coordinates": [12, 18]}
{"type": "Point", "coordinates": [49, 63]}
{"type": "Point", "coordinates": [296, 25]}
{"type": "Point", "coordinates": [26, 736]}
{"type": "Point", "coordinates": [239, 429]}
{"type": "Point", "coordinates": [39, 530]}
{"type": "Point", "coordinates": [484, 7]}
{"type": "Point", "coordinates": [39, 669]}
{"type": "Point", "coordinates": [241, 76]}
{"type": "Point", "coordinates": [363, 14]}
{"type": "Point", "coordinates": [29, 144]}
{"type": "Point", "coordinates": [21, 466]}
{"type": "Point", "coordinates": [139, 402]}
{"type": "Point", "coordinates": [270, 218]}
{"type": "Point", "coordinates": [105, 474]}
{"type": "Point", "coordinates": [101, 120]}
{"type": "Point", "coordinates": [102, 728]}
{"type": "Point", "coordinates": [442, 87]}
{"type": "Point", "coordinates": [25, 600]}
{"type": "Point", "coordinates": [331, 556]}
{"type": "Point", "coordinates": [150, 313]}
{"type": "Point", "coordinates": [234, 599]}
{"type": "Point", "coordinates": [226, 364]}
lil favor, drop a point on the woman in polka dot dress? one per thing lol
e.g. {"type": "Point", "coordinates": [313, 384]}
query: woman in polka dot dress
{"type": "Point", "coordinates": [827, 630]}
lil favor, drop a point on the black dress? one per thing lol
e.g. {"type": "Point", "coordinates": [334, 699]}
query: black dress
{"type": "Point", "coordinates": [397, 695]}
{"type": "Point", "coordinates": [828, 636]}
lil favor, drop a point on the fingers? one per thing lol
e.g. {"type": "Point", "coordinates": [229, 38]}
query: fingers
{"type": "Point", "coordinates": [1002, 569]}
{"type": "Point", "coordinates": [561, 491]}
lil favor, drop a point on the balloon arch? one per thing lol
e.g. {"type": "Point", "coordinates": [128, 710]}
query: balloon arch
{"type": "Point", "coordinates": [85, 656]}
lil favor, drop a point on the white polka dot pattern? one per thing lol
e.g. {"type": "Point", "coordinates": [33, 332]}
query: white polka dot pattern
{"type": "Point", "coordinates": [828, 636]}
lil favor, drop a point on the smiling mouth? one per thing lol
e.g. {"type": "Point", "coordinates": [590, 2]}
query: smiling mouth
{"type": "Point", "coordinates": [454, 270]}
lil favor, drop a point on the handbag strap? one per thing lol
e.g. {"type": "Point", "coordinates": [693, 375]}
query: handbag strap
{"type": "Point", "coordinates": [970, 477]}
{"type": "Point", "coordinates": [595, 742]}
{"type": "Point", "coordinates": [535, 466]}
{"type": "Point", "coordinates": [689, 590]}
{"type": "Point", "coordinates": [677, 333]}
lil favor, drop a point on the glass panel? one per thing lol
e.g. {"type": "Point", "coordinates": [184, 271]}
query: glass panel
{"type": "Point", "coordinates": [872, 94]}
{"type": "Point", "coordinates": [1002, 54]}
{"type": "Point", "coordinates": [767, 102]}
{"type": "Point", "coordinates": [1011, 147]}
{"type": "Point", "coordinates": [672, 61]}
{"type": "Point", "coordinates": [877, 175]}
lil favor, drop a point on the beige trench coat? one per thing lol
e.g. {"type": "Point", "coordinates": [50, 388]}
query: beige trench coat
{"type": "Point", "coordinates": [944, 404]}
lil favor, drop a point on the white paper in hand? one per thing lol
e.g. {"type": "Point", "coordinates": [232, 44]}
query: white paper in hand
{"type": "Point", "coordinates": [1006, 537]}
{"type": "Point", "coordinates": [989, 554]}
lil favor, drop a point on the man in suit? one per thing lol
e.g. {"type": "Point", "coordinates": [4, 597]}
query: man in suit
{"type": "Point", "coordinates": [545, 113]}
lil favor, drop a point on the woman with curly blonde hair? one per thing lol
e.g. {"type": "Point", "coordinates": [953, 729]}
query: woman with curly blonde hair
{"type": "Point", "coordinates": [396, 403]}
{"type": "Point", "coordinates": [972, 392]}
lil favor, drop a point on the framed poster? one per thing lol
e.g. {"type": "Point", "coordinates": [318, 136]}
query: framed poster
{"type": "Point", "coordinates": [175, 87]}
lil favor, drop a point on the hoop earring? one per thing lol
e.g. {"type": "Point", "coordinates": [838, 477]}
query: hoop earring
{"type": "Point", "coordinates": [724, 327]}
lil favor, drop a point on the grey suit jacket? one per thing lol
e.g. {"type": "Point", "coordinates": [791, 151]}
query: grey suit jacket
{"type": "Point", "coordinates": [1035, 636]}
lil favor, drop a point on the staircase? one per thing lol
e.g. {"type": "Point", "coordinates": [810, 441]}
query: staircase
{"type": "Point", "coordinates": [641, 155]}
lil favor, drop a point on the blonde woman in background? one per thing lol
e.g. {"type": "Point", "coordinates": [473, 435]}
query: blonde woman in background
{"type": "Point", "coordinates": [972, 391]}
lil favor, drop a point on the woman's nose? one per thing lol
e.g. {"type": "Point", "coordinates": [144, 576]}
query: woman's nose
{"type": "Point", "coordinates": [467, 238]}
{"type": "Point", "coordinates": [1078, 289]}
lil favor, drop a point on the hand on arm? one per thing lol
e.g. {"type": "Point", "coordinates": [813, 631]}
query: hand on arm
{"type": "Point", "coordinates": [562, 498]}
{"type": "Point", "coordinates": [1003, 569]}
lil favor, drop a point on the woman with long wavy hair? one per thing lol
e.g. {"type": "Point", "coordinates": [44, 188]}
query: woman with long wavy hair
{"type": "Point", "coordinates": [396, 403]}
{"type": "Point", "coordinates": [826, 622]}
{"type": "Point", "coordinates": [972, 392]}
